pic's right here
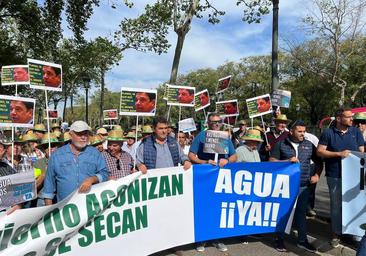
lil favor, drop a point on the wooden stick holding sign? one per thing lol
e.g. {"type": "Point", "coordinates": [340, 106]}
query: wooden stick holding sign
{"type": "Point", "coordinates": [48, 123]}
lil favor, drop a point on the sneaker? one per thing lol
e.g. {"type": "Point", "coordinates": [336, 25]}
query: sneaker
{"type": "Point", "coordinates": [306, 246]}
{"type": "Point", "coordinates": [220, 246]}
{"type": "Point", "coordinates": [335, 242]}
{"type": "Point", "coordinates": [311, 213]}
{"type": "Point", "coordinates": [200, 247]}
{"type": "Point", "coordinates": [280, 245]}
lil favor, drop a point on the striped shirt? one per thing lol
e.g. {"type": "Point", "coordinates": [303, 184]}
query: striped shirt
{"type": "Point", "coordinates": [118, 167]}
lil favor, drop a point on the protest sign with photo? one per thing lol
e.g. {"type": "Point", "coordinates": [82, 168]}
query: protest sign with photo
{"type": "Point", "coordinates": [14, 75]}
{"type": "Point", "coordinates": [138, 102]}
{"type": "Point", "coordinates": [52, 114]}
{"type": "Point", "coordinates": [281, 98]}
{"type": "Point", "coordinates": [110, 114]}
{"type": "Point", "coordinates": [217, 142]}
{"type": "Point", "coordinates": [45, 75]}
{"type": "Point", "coordinates": [202, 100]}
{"type": "Point", "coordinates": [259, 106]}
{"type": "Point", "coordinates": [223, 84]}
{"type": "Point", "coordinates": [17, 188]}
{"type": "Point", "coordinates": [16, 111]}
{"type": "Point", "coordinates": [187, 125]}
{"type": "Point", "coordinates": [180, 95]}
{"type": "Point", "coordinates": [227, 108]}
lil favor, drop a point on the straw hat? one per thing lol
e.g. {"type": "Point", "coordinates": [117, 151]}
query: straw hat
{"type": "Point", "coordinates": [242, 122]}
{"type": "Point", "coordinates": [53, 139]}
{"type": "Point", "coordinates": [96, 139]}
{"type": "Point", "coordinates": [147, 129]}
{"type": "Point", "coordinates": [29, 137]}
{"type": "Point", "coordinates": [257, 127]}
{"type": "Point", "coordinates": [360, 116]}
{"type": "Point", "coordinates": [282, 118]}
{"type": "Point", "coordinates": [102, 131]}
{"type": "Point", "coordinates": [253, 135]}
{"type": "Point", "coordinates": [39, 128]}
{"type": "Point", "coordinates": [5, 141]}
{"type": "Point", "coordinates": [132, 135]}
{"type": "Point", "coordinates": [66, 137]}
{"type": "Point", "coordinates": [115, 136]}
{"type": "Point", "coordinates": [55, 125]}
{"type": "Point", "coordinates": [57, 133]}
{"type": "Point", "coordinates": [117, 127]}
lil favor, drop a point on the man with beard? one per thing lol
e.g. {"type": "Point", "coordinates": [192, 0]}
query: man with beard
{"type": "Point", "coordinates": [74, 166]}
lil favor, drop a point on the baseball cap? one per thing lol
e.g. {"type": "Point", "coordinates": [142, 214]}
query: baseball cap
{"type": "Point", "coordinates": [80, 126]}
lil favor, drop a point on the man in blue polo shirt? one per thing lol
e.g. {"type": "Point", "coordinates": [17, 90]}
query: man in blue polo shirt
{"type": "Point", "coordinates": [336, 143]}
{"type": "Point", "coordinates": [196, 155]}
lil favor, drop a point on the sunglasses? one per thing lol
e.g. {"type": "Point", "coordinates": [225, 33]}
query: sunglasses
{"type": "Point", "coordinates": [216, 122]}
{"type": "Point", "coordinates": [118, 166]}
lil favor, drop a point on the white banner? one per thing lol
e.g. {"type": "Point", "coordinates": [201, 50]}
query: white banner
{"type": "Point", "coordinates": [121, 219]}
{"type": "Point", "coordinates": [353, 194]}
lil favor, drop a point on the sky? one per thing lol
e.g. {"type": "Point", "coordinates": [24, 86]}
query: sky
{"type": "Point", "coordinates": [206, 45]}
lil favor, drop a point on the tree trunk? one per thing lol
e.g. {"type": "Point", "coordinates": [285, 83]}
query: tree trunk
{"type": "Point", "coordinates": [72, 106]}
{"type": "Point", "coordinates": [101, 107]}
{"type": "Point", "coordinates": [177, 54]}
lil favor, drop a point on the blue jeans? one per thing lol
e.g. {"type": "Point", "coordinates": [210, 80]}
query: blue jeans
{"type": "Point", "coordinates": [300, 213]}
{"type": "Point", "coordinates": [361, 251]}
{"type": "Point", "coordinates": [335, 194]}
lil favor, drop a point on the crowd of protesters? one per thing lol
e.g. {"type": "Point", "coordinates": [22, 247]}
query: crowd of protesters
{"type": "Point", "coordinates": [77, 158]}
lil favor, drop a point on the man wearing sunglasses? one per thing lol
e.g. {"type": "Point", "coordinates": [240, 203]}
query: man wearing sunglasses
{"type": "Point", "coordinates": [196, 155]}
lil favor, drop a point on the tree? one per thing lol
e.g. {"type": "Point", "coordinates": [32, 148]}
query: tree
{"type": "Point", "coordinates": [337, 22]}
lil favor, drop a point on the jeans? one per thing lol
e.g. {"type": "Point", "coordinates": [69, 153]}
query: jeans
{"type": "Point", "coordinates": [300, 215]}
{"type": "Point", "coordinates": [335, 194]}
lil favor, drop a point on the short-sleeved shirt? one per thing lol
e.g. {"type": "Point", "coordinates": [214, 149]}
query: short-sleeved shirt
{"type": "Point", "coordinates": [337, 141]}
{"type": "Point", "coordinates": [198, 144]}
{"type": "Point", "coordinates": [245, 154]}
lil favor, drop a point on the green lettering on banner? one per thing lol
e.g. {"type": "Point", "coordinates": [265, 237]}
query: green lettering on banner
{"type": "Point", "coordinates": [98, 228]}
{"type": "Point", "coordinates": [52, 246]}
{"type": "Point", "coordinates": [63, 248]}
{"type": "Point", "coordinates": [133, 192]}
{"type": "Point", "coordinates": [177, 184]}
{"type": "Point", "coordinates": [30, 254]}
{"type": "Point", "coordinates": [113, 230]}
{"type": "Point", "coordinates": [35, 231]}
{"type": "Point", "coordinates": [164, 187]}
{"type": "Point", "coordinates": [6, 235]}
{"type": "Point", "coordinates": [92, 206]}
{"type": "Point", "coordinates": [71, 215]}
{"type": "Point", "coordinates": [106, 196]}
{"type": "Point", "coordinates": [153, 182]}
{"type": "Point", "coordinates": [121, 196]}
{"type": "Point", "coordinates": [143, 190]}
{"type": "Point", "coordinates": [55, 216]}
{"type": "Point", "coordinates": [88, 236]}
{"type": "Point", "coordinates": [20, 235]}
{"type": "Point", "coordinates": [141, 217]}
{"type": "Point", "coordinates": [128, 224]}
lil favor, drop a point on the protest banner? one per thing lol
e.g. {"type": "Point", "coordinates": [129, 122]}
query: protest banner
{"type": "Point", "coordinates": [223, 84]}
{"type": "Point", "coordinates": [110, 114]}
{"type": "Point", "coordinates": [187, 125]}
{"type": "Point", "coordinates": [201, 100]}
{"type": "Point", "coordinates": [217, 142]}
{"type": "Point", "coordinates": [17, 188]}
{"type": "Point", "coordinates": [45, 75]}
{"type": "Point", "coordinates": [281, 98]}
{"type": "Point", "coordinates": [52, 114]}
{"type": "Point", "coordinates": [138, 102]}
{"type": "Point", "coordinates": [180, 95]}
{"type": "Point", "coordinates": [353, 194]}
{"type": "Point", "coordinates": [14, 75]}
{"type": "Point", "coordinates": [163, 209]}
{"type": "Point", "coordinates": [259, 106]}
{"type": "Point", "coordinates": [16, 111]}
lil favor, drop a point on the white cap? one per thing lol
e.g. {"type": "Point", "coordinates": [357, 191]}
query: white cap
{"type": "Point", "coordinates": [80, 126]}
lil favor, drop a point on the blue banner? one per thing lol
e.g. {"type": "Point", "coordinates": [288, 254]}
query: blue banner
{"type": "Point", "coordinates": [243, 198]}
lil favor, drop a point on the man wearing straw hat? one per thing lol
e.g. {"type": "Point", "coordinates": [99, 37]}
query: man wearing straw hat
{"type": "Point", "coordinates": [119, 162]}
{"type": "Point", "coordinates": [239, 133]}
{"type": "Point", "coordinates": [248, 152]}
{"type": "Point", "coordinates": [74, 166]}
{"type": "Point", "coordinates": [297, 149]}
{"type": "Point", "coordinates": [130, 145]}
{"type": "Point", "coordinates": [160, 150]}
{"type": "Point", "coordinates": [274, 136]}
{"type": "Point", "coordinates": [39, 130]}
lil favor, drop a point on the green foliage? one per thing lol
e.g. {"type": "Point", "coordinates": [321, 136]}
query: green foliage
{"type": "Point", "coordinates": [254, 9]}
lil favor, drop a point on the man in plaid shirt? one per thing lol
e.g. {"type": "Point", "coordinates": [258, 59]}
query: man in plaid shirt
{"type": "Point", "coordinates": [119, 162]}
